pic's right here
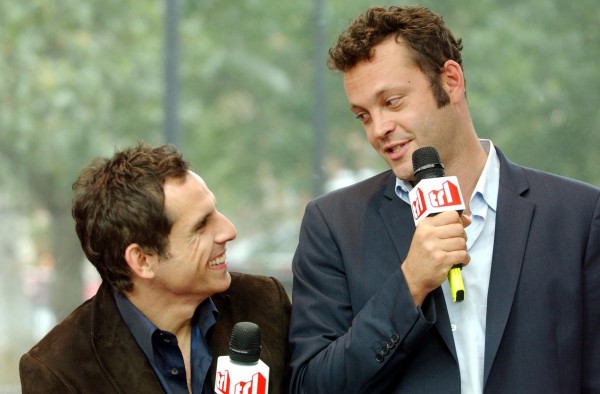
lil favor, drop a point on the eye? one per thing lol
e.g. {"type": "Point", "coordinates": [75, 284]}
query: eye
{"type": "Point", "coordinates": [362, 116]}
{"type": "Point", "coordinates": [202, 223]}
{"type": "Point", "coordinates": [393, 102]}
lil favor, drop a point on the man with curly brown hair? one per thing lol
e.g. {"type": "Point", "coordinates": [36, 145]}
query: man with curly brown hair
{"type": "Point", "coordinates": [372, 308]}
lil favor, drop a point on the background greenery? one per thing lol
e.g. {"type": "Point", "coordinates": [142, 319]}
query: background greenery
{"type": "Point", "coordinates": [262, 119]}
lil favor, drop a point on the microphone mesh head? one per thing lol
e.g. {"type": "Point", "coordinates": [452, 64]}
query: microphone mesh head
{"type": "Point", "coordinates": [427, 163]}
{"type": "Point", "coordinates": [244, 344]}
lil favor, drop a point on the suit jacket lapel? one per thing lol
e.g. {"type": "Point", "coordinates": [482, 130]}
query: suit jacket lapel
{"type": "Point", "coordinates": [116, 349]}
{"type": "Point", "coordinates": [398, 219]}
{"type": "Point", "coordinates": [442, 322]}
{"type": "Point", "coordinates": [219, 336]}
{"type": "Point", "coordinates": [510, 240]}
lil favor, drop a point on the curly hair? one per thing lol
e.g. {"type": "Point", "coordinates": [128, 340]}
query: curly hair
{"type": "Point", "coordinates": [120, 201]}
{"type": "Point", "coordinates": [425, 33]}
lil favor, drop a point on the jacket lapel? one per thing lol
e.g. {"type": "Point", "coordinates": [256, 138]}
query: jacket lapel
{"type": "Point", "coordinates": [219, 336]}
{"type": "Point", "coordinates": [398, 220]}
{"type": "Point", "coordinates": [510, 240]}
{"type": "Point", "coordinates": [442, 321]}
{"type": "Point", "coordinates": [118, 353]}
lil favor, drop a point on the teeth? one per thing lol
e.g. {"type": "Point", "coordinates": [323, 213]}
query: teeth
{"type": "Point", "coordinates": [396, 148]}
{"type": "Point", "coordinates": [217, 261]}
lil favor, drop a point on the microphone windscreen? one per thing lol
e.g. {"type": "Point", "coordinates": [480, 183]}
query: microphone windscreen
{"type": "Point", "coordinates": [244, 344]}
{"type": "Point", "coordinates": [427, 163]}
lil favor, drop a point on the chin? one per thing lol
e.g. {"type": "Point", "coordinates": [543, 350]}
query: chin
{"type": "Point", "coordinates": [226, 282]}
{"type": "Point", "coordinates": [404, 175]}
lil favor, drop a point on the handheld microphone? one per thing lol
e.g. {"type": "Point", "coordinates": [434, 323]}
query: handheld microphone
{"type": "Point", "coordinates": [435, 193]}
{"type": "Point", "coordinates": [242, 372]}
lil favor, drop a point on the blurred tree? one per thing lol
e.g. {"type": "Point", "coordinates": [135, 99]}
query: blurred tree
{"type": "Point", "coordinates": [79, 78]}
{"type": "Point", "coordinates": [532, 72]}
{"type": "Point", "coordinates": [247, 72]}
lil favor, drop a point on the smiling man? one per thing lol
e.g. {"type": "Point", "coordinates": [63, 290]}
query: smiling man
{"type": "Point", "coordinates": [167, 304]}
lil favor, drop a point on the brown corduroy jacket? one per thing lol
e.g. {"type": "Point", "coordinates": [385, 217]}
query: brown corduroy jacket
{"type": "Point", "coordinates": [92, 350]}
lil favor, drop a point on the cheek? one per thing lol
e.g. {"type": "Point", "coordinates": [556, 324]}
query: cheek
{"type": "Point", "coordinates": [200, 250]}
{"type": "Point", "coordinates": [187, 252]}
{"type": "Point", "coordinates": [371, 138]}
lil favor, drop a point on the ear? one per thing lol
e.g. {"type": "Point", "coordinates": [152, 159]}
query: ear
{"type": "Point", "coordinates": [139, 262]}
{"type": "Point", "coordinates": [453, 80]}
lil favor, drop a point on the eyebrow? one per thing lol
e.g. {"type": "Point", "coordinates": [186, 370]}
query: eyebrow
{"type": "Point", "coordinates": [356, 107]}
{"type": "Point", "coordinates": [378, 94]}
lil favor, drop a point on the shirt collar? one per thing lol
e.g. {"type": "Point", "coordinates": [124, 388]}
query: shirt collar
{"type": "Point", "coordinates": [487, 185]}
{"type": "Point", "coordinates": [402, 189]}
{"type": "Point", "coordinates": [142, 328]}
{"type": "Point", "coordinates": [489, 181]}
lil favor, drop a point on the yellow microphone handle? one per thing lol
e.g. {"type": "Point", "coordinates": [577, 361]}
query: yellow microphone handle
{"type": "Point", "coordinates": [457, 287]}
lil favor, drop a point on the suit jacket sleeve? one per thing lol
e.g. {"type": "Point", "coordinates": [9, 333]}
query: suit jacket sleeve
{"type": "Point", "coordinates": [331, 334]}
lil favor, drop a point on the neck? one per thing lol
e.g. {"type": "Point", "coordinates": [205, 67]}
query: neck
{"type": "Point", "coordinates": [467, 166]}
{"type": "Point", "coordinates": [174, 316]}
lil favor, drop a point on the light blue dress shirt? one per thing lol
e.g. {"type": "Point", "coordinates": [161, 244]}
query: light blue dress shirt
{"type": "Point", "coordinates": [468, 317]}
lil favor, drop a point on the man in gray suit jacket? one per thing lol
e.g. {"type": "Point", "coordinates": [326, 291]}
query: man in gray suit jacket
{"type": "Point", "coordinates": [167, 305]}
{"type": "Point", "coordinates": [372, 309]}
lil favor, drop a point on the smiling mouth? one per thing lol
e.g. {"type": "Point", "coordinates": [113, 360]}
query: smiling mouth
{"type": "Point", "coordinates": [218, 261]}
{"type": "Point", "coordinates": [395, 148]}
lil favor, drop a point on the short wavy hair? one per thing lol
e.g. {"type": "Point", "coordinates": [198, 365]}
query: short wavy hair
{"type": "Point", "coordinates": [425, 33]}
{"type": "Point", "coordinates": [120, 201]}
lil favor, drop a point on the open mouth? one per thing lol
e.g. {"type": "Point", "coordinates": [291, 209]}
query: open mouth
{"type": "Point", "coordinates": [395, 148]}
{"type": "Point", "coordinates": [218, 261]}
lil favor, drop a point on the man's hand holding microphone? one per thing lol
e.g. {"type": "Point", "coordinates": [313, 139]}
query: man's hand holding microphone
{"type": "Point", "coordinates": [439, 245]}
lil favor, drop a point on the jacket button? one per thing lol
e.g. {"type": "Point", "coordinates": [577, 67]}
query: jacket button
{"type": "Point", "coordinates": [379, 357]}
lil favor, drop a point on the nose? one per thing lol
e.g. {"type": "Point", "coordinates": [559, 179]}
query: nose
{"type": "Point", "coordinates": [382, 126]}
{"type": "Point", "coordinates": [226, 231]}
